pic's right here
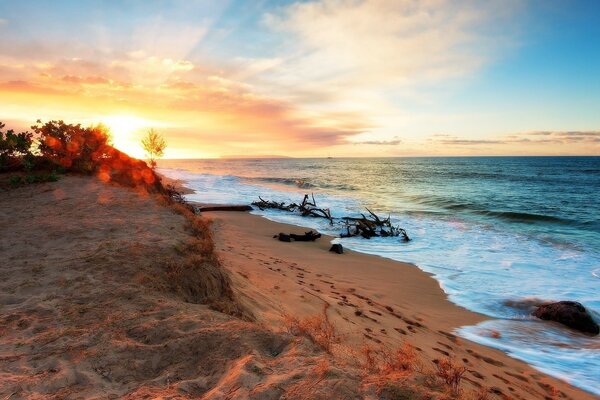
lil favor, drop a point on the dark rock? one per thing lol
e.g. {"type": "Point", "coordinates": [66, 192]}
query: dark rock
{"type": "Point", "coordinates": [337, 248]}
{"type": "Point", "coordinates": [284, 238]}
{"type": "Point", "coordinates": [569, 313]}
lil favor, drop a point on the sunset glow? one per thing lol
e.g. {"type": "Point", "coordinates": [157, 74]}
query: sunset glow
{"type": "Point", "coordinates": [311, 78]}
{"type": "Point", "coordinates": [127, 131]}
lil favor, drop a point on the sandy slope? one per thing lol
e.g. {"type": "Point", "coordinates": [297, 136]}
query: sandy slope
{"type": "Point", "coordinates": [86, 311]}
{"type": "Point", "coordinates": [371, 300]}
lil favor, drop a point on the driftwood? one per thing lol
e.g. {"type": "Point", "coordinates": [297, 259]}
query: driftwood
{"type": "Point", "coordinates": [306, 208]}
{"type": "Point", "coordinates": [226, 208]}
{"type": "Point", "coordinates": [309, 236]}
{"type": "Point", "coordinates": [174, 194]}
{"type": "Point", "coordinates": [366, 226]}
{"type": "Point", "coordinates": [372, 226]}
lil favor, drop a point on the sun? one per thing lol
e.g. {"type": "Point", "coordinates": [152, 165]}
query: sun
{"type": "Point", "coordinates": [127, 132]}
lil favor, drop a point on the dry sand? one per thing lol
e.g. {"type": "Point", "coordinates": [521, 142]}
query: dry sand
{"type": "Point", "coordinates": [89, 309]}
{"type": "Point", "coordinates": [370, 300]}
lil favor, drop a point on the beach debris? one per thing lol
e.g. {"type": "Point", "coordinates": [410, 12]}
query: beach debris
{"type": "Point", "coordinates": [225, 208]}
{"type": "Point", "coordinates": [337, 248]}
{"type": "Point", "coordinates": [309, 236]}
{"type": "Point", "coordinates": [569, 313]}
{"type": "Point", "coordinates": [176, 196]}
{"type": "Point", "coordinates": [366, 226]}
{"type": "Point", "coordinates": [306, 208]}
{"type": "Point", "coordinates": [372, 226]}
{"type": "Point", "coordinates": [283, 237]}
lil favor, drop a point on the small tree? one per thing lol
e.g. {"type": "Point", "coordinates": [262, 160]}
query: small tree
{"type": "Point", "coordinates": [154, 145]}
{"type": "Point", "coordinates": [15, 148]}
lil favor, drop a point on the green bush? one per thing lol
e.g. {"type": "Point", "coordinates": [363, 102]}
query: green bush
{"type": "Point", "coordinates": [14, 148]}
{"type": "Point", "coordinates": [15, 180]}
{"type": "Point", "coordinates": [33, 178]}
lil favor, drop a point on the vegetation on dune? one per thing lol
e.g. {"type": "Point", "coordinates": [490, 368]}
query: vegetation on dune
{"type": "Point", "coordinates": [14, 148]}
{"type": "Point", "coordinates": [55, 147]}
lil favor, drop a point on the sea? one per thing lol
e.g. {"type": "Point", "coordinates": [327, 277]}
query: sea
{"type": "Point", "coordinates": [499, 234]}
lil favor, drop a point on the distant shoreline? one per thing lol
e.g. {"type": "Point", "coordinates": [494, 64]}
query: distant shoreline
{"type": "Point", "coordinates": [372, 157]}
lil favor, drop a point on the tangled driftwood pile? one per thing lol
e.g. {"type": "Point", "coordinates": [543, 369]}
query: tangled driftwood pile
{"type": "Point", "coordinates": [367, 226]}
{"type": "Point", "coordinates": [306, 208]}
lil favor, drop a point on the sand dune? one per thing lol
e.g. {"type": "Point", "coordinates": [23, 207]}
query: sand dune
{"type": "Point", "coordinates": [86, 309]}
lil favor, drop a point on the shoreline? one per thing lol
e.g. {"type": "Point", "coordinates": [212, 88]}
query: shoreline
{"type": "Point", "coordinates": [421, 312]}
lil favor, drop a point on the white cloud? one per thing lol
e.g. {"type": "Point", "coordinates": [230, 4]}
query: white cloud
{"type": "Point", "coordinates": [386, 42]}
{"type": "Point", "coordinates": [362, 55]}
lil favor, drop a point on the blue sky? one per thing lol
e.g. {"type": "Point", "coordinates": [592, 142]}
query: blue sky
{"type": "Point", "coordinates": [348, 77]}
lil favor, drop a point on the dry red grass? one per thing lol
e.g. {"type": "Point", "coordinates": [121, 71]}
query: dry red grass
{"type": "Point", "coordinates": [451, 373]}
{"type": "Point", "coordinates": [317, 328]}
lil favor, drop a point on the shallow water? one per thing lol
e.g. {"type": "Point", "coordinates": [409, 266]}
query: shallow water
{"type": "Point", "coordinates": [492, 230]}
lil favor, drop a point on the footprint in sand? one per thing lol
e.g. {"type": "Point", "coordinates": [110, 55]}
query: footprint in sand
{"type": "Point", "coordinates": [519, 377]}
{"type": "Point", "coordinates": [476, 374]}
{"type": "Point", "coordinates": [441, 351]}
{"type": "Point", "coordinates": [445, 345]}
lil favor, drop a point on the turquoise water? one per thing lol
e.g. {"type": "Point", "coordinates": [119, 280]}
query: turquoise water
{"type": "Point", "coordinates": [497, 232]}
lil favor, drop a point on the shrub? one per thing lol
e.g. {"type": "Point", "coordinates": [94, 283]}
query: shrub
{"type": "Point", "coordinates": [32, 178]}
{"type": "Point", "coordinates": [13, 148]}
{"type": "Point", "coordinates": [72, 146]}
{"type": "Point", "coordinates": [15, 180]}
{"type": "Point", "coordinates": [382, 363]}
{"type": "Point", "coordinates": [451, 373]}
{"type": "Point", "coordinates": [317, 328]}
{"type": "Point", "coordinates": [400, 360]}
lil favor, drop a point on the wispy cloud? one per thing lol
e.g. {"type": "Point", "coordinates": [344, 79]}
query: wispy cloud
{"type": "Point", "coordinates": [393, 142]}
{"type": "Point", "coordinates": [533, 142]}
{"type": "Point", "coordinates": [535, 137]}
{"type": "Point", "coordinates": [378, 44]}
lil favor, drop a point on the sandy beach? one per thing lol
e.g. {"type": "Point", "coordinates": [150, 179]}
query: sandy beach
{"type": "Point", "coordinates": [109, 292]}
{"type": "Point", "coordinates": [371, 301]}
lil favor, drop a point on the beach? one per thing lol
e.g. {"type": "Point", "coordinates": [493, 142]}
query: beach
{"type": "Point", "coordinates": [95, 305]}
{"type": "Point", "coordinates": [397, 302]}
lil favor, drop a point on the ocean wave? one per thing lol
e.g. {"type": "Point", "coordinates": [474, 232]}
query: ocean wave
{"type": "Point", "coordinates": [302, 183]}
{"type": "Point", "coordinates": [526, 217]}
{"type": "Point", "coordinates": [482, 210]}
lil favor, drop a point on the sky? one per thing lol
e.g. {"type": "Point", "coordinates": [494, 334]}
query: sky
{"type": "Point", "coordinates": [310, 78]}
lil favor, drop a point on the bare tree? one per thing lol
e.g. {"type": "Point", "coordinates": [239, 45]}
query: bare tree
{"type": "Point", "coordinates": [154, 145]}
